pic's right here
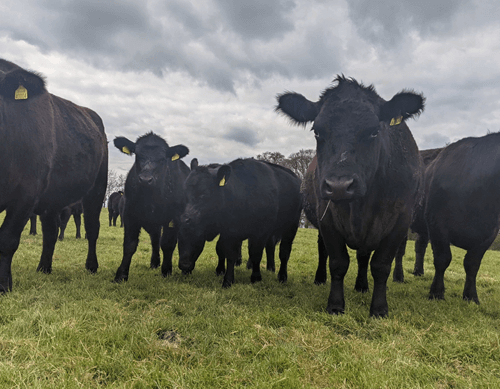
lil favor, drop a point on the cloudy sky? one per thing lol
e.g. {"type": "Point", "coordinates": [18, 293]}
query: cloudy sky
{"type": "Point", "coordinates": [205, 73]}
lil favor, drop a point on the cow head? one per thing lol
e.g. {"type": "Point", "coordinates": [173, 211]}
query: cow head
{"type": "Point", "coordinates": [152, 156]}
{"type": "Point", "coordinates": [19, 84]}
{"type": "Point", "coordinates": [204, 189]}
{"type": "Point", "coordinates": [352, 126]}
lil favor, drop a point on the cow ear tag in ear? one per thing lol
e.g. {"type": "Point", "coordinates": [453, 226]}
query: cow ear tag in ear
{"type": "Point", "coordinates": [21, 93]}
{"type": "Point", "coordinates": [175, 157]}
{"type": "Point", "coordinates": [126, 150]}
{"type": "Point", "coordinates": [223, 181]}
{"type": "Point", "coordinates": [171, 224]}
{"type": "Point", "coordinates": [396, 121]}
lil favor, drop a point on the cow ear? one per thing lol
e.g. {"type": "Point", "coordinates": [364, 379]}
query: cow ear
{"type": "Point", "coordinates": [297, 108]}
{"type": "Point", "coordinates": [124, 145]}
{"type": "Point", "coordinates": [194, 163]}
{"type": "Point", "coordinates": [20, 84]}
{"type": "Point", "coordinates": [404, 105]}
{"type": "Point", "coordinates": [223, 174]}
{"type": "Point", "coordinates": [176, 152]}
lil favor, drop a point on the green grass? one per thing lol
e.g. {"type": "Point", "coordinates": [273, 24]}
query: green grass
{"type": "Point", "coordinates": [71, 329]}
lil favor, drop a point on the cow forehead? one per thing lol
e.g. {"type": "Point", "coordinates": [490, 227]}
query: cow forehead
{"type": "Point", "coordinates": [348, 115]}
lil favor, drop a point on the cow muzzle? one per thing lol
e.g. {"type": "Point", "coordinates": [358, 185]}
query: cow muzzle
{"type": "Point", "coordinates": [344, 188]}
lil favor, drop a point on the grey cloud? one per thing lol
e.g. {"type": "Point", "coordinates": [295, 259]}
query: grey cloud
{"type": "Point", "coordinates": [433, 141]}
{"type": "Point", "coordinates": [242, 135]}
{"type": "Point", "coordinates": [258, 19]}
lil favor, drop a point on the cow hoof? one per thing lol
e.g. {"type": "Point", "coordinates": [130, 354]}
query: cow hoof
{"type": "Point", "coordinates": [282, 278]}
{"type": "Point", "coordinates": [379, 315]}
{"type": "Point", "coordinates": [238, 262]}
{"type": "Point", "coordinates": [401, 280]}
{"type": "Point", "coordinates": [186, 272]}
{"type": "Point", "coordinates": [220, 272]}
{"type": "Point", "coordinates": [166, 273]}
{"type": "Point", "coordinates": [471, 299]}
{"type": "Point", "coordinates": [154, 265]}
{"type": "Point", "coordinates": [226, 284]}
{"type": "Point", "coordinates": [418, 272]}
{"type": "Point", "coordinates": [255, 278]}
{"type": "Point", "coordinates": [335, 310]}
{"type": "Point", "coordinates": [319, 282]}
{"type": "Point", "coordinates": [271, 269]}
{"type": "Point", "coordinates": [120, 279]}
{"type": "Point", "coordinates": [5, 285]}
{"type": "Point", "coordinates": [436, 296]}
{"type": "Point", "coordinates": [361, 289]}
{"type": "Point", "coordinates": [43, 269]}
{"type": "Point", "coordinates": [249, 265]}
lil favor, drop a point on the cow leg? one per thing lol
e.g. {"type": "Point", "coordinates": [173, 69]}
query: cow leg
{"type": "Point", "coordinates": [442, 259]}
{"type": "Point", "coordinates": [231, 250]}
{"type": "Point", "coordinates": [285, 251]}
{"type": "Point", "coordinates": [110, 215]}
{"type": "Point", "coordinates": [92, 205]}
{"type": "Point", "coordinates": [115, 216]}
{"type": "Point", "coordinates": [398, 274]}
{"type": "Point", "coordinates": [78, 224]}
{"type": "Point", "coordinates": [168, 243]}
{"type": "Point", "coordinates": [130, 242]}
{"type": "Point", "coordinates": [63, 222]}
{"type": "Point", "coordinates": [155, 247]}
{"type": "Point", "coordinates": [255, 250]}
{"type": "Point", "coordinates": [362, 277]}
{"type": "Point", "coordinates": [221, 265]}
{"type": "Point", "coordinates": [49, 231]}
{"type": "Point", "coordinates": [339, 263]}
{"type": "Point", "coordinates": [10, 234]}
{"type": "Point", "coordinates": [420, 247]}
{"type": "Point", "coordinates": [270, 251]}
{"type": "Point", "coordinates": [320, 277]}
{"type": "Point", "coordinates": [33, 225]}
{"type": "Point", "coordinates": [472, 261]}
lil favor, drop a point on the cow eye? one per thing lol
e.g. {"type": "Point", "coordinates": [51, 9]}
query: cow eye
{"type": "Point", "coordinates": [374, 133]}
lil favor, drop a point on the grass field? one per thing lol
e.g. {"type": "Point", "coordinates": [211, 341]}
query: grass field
{"type": "Point", "coordinates": [71, 329]}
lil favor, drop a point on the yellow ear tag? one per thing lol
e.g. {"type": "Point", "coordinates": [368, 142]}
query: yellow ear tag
{"type": "Point", "coordinates": [223, 181]}
{"type": "Point", "coordinates": [126, 150]}
{"type": "Point", "coordinates": [396, 121]}
{"type": "Point", "coordinates": [175, 157]}
{"type": "Point", "coordinates": [171, 224]}
{"type": "Point", "coordinates": [21, 93]}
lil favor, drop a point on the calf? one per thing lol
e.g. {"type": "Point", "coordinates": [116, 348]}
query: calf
{"type": "Point", "coordinates": [462, 207]}
{"type": "Point", "coordinates": [76, 210]}
{"type": "Point", "coordinates": [155, 198]}
{"type": "Point", "coordinates": [245, 199]}
{"type": "Point", "coordinates": [52, 154]}
{"type": "Point", "coordinates": [113, 207]}
{"type": "Point", "coordinates": [366, 181]}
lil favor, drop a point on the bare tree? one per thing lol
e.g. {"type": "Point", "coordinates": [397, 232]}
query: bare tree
{"type": "Point", "coordinates": [299, 162]}
{"type": "Point", "coordinates": [273, 157]}
{"type": "Point", "coordinates": [116, 182]}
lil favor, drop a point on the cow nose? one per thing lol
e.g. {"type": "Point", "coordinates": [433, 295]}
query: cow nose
{"type": "Point", "coordinates": [341, 189]}
{"type": "Point", "coordinates": [148, 180]}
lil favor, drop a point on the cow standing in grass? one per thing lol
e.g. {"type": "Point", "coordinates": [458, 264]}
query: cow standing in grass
{"type": "Point", "coordinates": [76, 210]}
{"type": "Point", "coordinates": [462, 207]}
{"type": "Point", "coordinates": [367, 179]}
{"type": "Point", "coordinates": [245, 199]}
{"type": "Point", "coordinates": [113, 207]}
{"type": "Point", "coordinates": [155, 199]}
{"type": "Point", "coordinates": [52, 154]}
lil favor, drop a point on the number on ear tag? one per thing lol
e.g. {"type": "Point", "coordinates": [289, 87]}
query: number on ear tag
{"type": "Point", "coordinates": [396, 121]}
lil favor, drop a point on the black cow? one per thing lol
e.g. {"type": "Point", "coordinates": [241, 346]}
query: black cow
{"type": "Point", "coordinates": [113, 207]}
{"type": "Point", "coordinates": [52, 154]}
{"type": "Point", "coordinates": [155, 198]}
{"type": "Point", "coordinates": [76, 210]}
{"type": "Point", "coordinates": [418, 226]}
{"type": "Point", "coordinates": [245, 199]}
{"type": "Point", "coordinates": [366, 181]}
{"type": "Point", "coordinates": [121, 208]}
{"type": "Point", "coordinates": [462, 206]}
